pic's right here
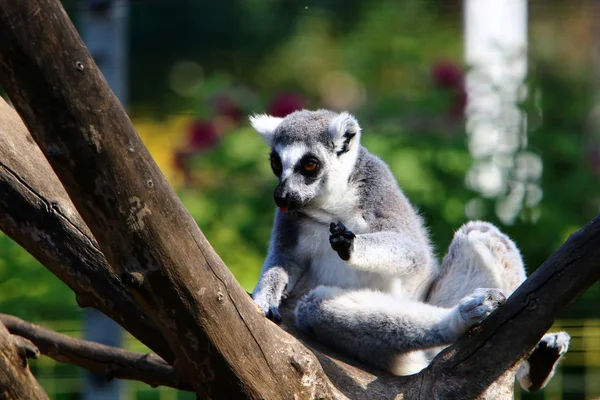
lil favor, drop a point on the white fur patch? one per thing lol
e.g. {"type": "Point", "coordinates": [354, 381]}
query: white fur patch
{"type": "Point", "coordinates": [290, 155]}
{"type": "Point", "coordinates": [523, 375]}
{"type": "Point", "coordinates": [265, 125]}
{"type": "Point", "coordinates": [409, 363]}
{"type": "Point", "coordinates": [342, 124]}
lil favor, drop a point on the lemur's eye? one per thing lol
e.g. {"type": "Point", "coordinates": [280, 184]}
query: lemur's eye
{"type": "Point", "coordinates": [310, 166]}
{"type": "Point", "coordinates": [276, 164]}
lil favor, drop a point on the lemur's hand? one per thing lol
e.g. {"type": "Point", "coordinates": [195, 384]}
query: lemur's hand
{"type": "Point", "coordinates": [341, 240]}
{"type": "Point", "coordinates": [269, 306]}
{"type": "Point", "coordinates": [273, 314]}
{"type": "Point", "coordinates": [270, 290]}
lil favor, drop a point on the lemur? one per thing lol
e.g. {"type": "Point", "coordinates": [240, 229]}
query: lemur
{"type": "Point", "coordinates": [378, 293]}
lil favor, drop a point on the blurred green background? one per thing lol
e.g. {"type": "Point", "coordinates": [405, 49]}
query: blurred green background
{"type": "Point", "coordinates": [198, 68]}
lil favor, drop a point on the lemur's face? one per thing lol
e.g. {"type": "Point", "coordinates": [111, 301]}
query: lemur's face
{"type": "Point", "coordinates": [312, 153]}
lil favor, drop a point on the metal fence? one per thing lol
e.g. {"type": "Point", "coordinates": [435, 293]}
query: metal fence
{"type": "Point", "coordinates": [577, 378]}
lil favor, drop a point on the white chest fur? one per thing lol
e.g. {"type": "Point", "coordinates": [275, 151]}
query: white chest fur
{"type": "Point", "coordinates": [327, 268]}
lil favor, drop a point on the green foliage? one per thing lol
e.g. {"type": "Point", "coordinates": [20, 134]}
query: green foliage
{"type": "Point", "coordinates": [29, 290]}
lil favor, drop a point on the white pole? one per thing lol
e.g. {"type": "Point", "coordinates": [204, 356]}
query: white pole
{"type": "Point", "coordinates": [495, 34]}
{"type": "Point", "coordinates": [104, 30]}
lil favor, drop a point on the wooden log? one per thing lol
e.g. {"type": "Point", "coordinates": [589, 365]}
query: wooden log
{"type": "Point", "coordinates": [36, 212]}
{"type": "Point", "coordinates": [110, 361]}
{"type": "Point", "coordinates": [16, 381]}
{"type": "Point", "coordinates": [141, 226]}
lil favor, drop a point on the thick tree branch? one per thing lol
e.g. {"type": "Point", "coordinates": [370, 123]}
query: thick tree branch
{"type": "Point", "coordinates": [36, 212]}
{"type": "Point", "coordinates": [110, 361]}
{"type": "Point", "coordinates": [16, 381]}
{"type": "Point", "coordinates": [510, 333]}
{"type": "Point", "coordinates": [141, 226]}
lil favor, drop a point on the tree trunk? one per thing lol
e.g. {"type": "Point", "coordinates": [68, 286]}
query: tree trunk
{"type": "Point", "coordinates": [38, 214]}
{"type": "Point", "coordinates": [141, 226]}
{"type": "Point", "coordinates": [16, 381]}
{"type": "Point", "coordinates": [222, 343]}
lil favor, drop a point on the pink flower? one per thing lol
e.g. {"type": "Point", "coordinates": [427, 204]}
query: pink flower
{"type": "Point", "coordinates": [227, 107]}
{"type": "Point", "coordinates": [284, 104]}
{"type": "Point", "coordinates": [202, 135]}
{"type": "Point", "coordinates": [447, 74]}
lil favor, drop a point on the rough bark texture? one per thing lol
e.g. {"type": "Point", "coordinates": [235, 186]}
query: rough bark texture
{"type": "Point", "coordinates": [221, 341]}
{"type": "Point", "coordinates": [140, 225]}
{"type": "Point", "coordinates": [38, 214]}
{"type": "Point", "coordinates": [110, 361]}
{"type": "Point", "coordinates": [16, 381]}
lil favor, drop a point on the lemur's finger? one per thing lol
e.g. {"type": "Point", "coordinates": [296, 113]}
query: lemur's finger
{"type": "Point", "coordinates": [348, 234]}
{"type": "Point", "coordinates": [336, 228]}
{"type": "Point", "coordinates": [274, 315]}
{"type": "Point", "coordinates": [338, 242]}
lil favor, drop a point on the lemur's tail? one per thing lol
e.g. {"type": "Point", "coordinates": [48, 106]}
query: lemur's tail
{"type": "Point", "coordinates": [535, 372]}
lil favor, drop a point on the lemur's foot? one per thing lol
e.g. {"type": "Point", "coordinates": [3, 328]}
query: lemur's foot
{"type": "Point", "coordinates": [341, 240]}
{"type": "Point", "coordinates": [478, 305]}
{"type": "Point", "coordinates": [535, 372]}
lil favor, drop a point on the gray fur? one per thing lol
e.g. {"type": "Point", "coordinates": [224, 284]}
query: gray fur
{"type": "Point", "coordinates": [388, 331]}
{"type": "Point", "coordinates": [373, 303]}
{"type": "Point", "coordinates": [357, 189]}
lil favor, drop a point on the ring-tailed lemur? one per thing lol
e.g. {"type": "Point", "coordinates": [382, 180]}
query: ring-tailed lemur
{"type": "Point", "coordinates": [344, 222]}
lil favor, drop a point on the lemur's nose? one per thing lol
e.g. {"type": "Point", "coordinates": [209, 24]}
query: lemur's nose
{"type": "Point", "coordinates": [281, 200]}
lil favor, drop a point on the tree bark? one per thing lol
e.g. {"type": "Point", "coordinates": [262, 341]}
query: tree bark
{"type": "Point", "coordinates": [140, 225]}
{"type": "Point", "coordinates": [16, 381]}
{"type": "Point", "coordinates": [222, 342]}
{"type": "Point", "coordinates": [38, 214]}
{"type": "Point", "coordinates": [96, 357]}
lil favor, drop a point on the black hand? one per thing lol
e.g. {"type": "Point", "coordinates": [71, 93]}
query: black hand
{"type": "Point", "coordinates": [273, 315]}
{"type": "Point", "coordinates": [341, 240]}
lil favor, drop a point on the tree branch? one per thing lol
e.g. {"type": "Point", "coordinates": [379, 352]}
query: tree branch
{"type": "Point", "coordinates": [141, 226]}
{"type": "Point", "coordinates": [510, 332]}
{"type": "Point", "coordinates": [110, 361]}
{"type": "Point", "coordinates": [16, 381]}
{"type": "Point", "coordinates": [36, 212]}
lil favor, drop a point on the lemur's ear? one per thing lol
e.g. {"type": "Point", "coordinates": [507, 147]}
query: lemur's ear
{"type": "Point", "coordinates": [265, 125]}
{"type": "Point", "coordinates": [345, 132]}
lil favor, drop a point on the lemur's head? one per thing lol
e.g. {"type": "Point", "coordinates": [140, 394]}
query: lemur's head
{"type": "Point", "coordinates": [312, 153]}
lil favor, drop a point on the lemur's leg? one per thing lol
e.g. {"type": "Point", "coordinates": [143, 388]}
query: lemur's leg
{"type": "Point", "coordinates": [479, 256]}
{"type": "Point", "coordinates": [278, 277]}
{"type": "Point", "coordinates": [274, 284]}
{"type": "Point", "coordinates": [387, 332]}
{"type": "Point", "coordinates": [482, 256]}
{"type": "Point", "coordinates": [281, 270]}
